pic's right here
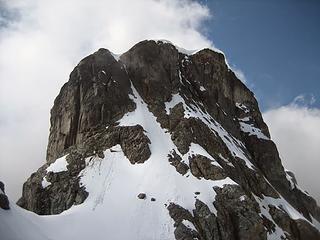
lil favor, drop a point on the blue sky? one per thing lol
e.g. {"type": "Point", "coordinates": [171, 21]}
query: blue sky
{"type": "Point", "coordinates": [275, 43]}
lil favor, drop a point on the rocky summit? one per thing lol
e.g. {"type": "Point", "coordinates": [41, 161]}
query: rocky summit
{"type": "Point", "coordinates": [160, 143]}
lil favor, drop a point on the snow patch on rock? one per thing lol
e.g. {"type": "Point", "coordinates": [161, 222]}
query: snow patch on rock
{"type": "Point", "coordinates": [202, 89]}
{"type": "Point", "coordinates": [189, 224]}
{"type": "Point", "coordinates": [45, 183]}
{"type": "Point", "coordinates": [243, 107]}
{"type": "Point", "coordinates": [59, 165]}
{"type": "Point", "coordinates": [196, 149]}
{"type": "Point", "coordinates": [252, 130]}
{"type": "Point", "coordinates": [175, 100]}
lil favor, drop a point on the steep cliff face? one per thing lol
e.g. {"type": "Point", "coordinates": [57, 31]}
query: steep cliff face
{"type": "Point", "coordinates": [84, 106]}
{"type": "Point", "coordinates": [177, 129]}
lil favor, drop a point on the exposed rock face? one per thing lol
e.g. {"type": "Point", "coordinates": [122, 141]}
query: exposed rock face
{"type": "Point", "coordinates": [4, 201]}
{"type": "Point", "coordinates": [217, 133]}
{"type": "Point", "coordinates": [64, 189]}
{"type": "Point", "coordinates": [55, 192]}
{"type": "Point", "coordinates": [201, 166]}
{"type": "Point", "coordinates": [235, 219]}
{"type": "Point", "coordinates": [176, 161]}
{"type": "Point", "coordinates": [95, 96]}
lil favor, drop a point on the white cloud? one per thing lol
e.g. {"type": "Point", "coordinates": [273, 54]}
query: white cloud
{"type": "Point", "coordinates": [239, 73]}
{"type": "Point", "coordinates": [295, 129]}
{"type": "Point", "coordinates": [304, 100]}
{"type": "Point", "coordinates": [40, 49]}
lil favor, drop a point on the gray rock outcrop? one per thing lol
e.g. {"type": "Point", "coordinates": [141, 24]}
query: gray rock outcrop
{"type": "Point", "coordinates": [215, 111]}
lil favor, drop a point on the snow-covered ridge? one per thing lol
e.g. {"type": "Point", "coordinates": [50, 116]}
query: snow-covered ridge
{"type": "Point", "coordinates": [234, 145]}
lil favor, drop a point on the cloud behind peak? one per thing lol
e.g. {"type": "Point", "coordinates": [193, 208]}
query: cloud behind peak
{"type": "Point", "coordinates": [295, 129]}
{"type": "Point", "coordinates": [41, 42]}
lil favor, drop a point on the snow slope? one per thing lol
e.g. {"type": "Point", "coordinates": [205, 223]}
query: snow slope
{"type": "Point", "coordinates": [19, 224]}
{"type": "Point", "coordinates": [112, 209]}
{"type": "Point", "coordinates": [113, 183]}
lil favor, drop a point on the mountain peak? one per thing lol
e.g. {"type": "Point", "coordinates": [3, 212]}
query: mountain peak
{"type": "Point", "coordinates": [179, 128]}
